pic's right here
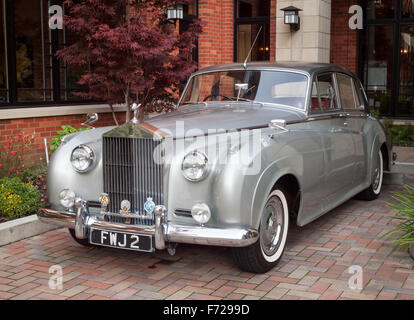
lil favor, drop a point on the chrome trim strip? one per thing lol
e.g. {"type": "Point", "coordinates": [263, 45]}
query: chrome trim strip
{"type": "Point", "coordinates": [59, 218]}
{"type": "Point", "coordinates": [211, 236]}
{"type": "Point", "coordinates": [162, 231]}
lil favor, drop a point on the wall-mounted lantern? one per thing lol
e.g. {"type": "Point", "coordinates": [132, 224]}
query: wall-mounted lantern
{"type": "Point", "coordinates": [292, 17]}
{"type": "Point", "coordinates": [175, 13]}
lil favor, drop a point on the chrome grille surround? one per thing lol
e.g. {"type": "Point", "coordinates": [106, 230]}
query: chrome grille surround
{"type": "Point", "coordinates": [131, 173]}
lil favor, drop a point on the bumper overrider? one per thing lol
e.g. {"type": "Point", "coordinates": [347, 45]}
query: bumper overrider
{"type": "Point", "coordinates": [162, 231]}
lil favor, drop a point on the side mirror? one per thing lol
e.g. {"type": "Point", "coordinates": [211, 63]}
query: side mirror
{"type": "Point", "coordinates": [90, 118]}
{"type": "Point", "coordinates": [277, 124]}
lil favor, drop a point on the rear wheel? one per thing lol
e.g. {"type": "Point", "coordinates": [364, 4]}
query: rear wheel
{"type": "Point", "coordinates": [82, 242]}
{"type": "Point", "coordinates": [264, 255]}
{"type": "Point", "coordinates": [374, 190]}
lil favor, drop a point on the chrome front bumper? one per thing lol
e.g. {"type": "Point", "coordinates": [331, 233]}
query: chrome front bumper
{"type": "Point", "coordinates": [162, 231]}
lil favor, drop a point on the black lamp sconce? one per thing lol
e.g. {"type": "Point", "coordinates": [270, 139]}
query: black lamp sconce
{"type": "Point", "coordinates": [292, 17]}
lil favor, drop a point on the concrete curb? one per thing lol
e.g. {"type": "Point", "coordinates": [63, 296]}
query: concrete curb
{"type": "Point", "coordinates": [19, 229]}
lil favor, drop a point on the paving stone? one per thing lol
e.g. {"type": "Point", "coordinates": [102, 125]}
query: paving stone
{"type": "Point", "coordinates": [314, 265]}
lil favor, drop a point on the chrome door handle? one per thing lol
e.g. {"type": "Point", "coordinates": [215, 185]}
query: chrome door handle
{"type": "Point", "coordinates": [345, 124]}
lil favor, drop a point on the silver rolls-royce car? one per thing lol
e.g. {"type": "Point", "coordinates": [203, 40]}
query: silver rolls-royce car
{"type": "Point", "coordinates": [250, 149]}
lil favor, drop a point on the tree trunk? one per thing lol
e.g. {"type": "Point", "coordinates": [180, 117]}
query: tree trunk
{"type": "Point", "coordinates": [113, 114]}
{"type": "Point", "coordinates": [128, 114]}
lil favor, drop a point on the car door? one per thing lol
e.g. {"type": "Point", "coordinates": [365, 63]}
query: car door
{"type": "Point", "coordinates": [337, 139]}
{"type": "Point", "coordinates": [354, 109]}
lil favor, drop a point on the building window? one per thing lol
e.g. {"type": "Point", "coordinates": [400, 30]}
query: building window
{"type": "Point", "coordinates": [190, 13]}
{"type": "Point", "coordinates": [30, 74]}
{"type": "Point", "coordinates": [4, 94]}
{"type": "Point", "coordinates": [387, 48]}
{"type": "Point", "coordinates": [250, 16]}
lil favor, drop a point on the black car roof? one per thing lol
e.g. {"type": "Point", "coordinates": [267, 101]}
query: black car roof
{"type": "Point", "coordinates": [308, 67]}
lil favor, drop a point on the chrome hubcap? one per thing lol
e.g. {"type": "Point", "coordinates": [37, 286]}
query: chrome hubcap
{"type": "Point", "coordinates": [271, 226]}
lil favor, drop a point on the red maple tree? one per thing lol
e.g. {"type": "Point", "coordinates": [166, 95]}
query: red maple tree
{"type": "Point", "coordinates": [128, 50]}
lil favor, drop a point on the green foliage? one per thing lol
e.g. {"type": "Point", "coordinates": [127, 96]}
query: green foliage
{"type": "Point", "coordinates": [403, 233]}
{"type": "Point", "coordinates": [36, 174]}
{"type": "Point", "coordinates": [401, 135]}
{"type": "Point", "coordinates": [17, 198]}
{"type": "Point", "coordinates": [375, 113]}
{"type": "Point", "coordinates": [57, 140]}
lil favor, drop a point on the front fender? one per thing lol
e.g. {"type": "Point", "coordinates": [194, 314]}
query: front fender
{"type": "Point", "coordinates": [61, 175]}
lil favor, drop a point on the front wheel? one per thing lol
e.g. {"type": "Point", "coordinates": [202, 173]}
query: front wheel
{"type": "Point", "coordinates": [264, 255]}
{"type": "Point", "coordinates": [374, 190]}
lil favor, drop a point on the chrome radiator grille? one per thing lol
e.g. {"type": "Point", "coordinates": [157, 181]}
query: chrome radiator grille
{"type": "Point", "coordinates": [130, 173]}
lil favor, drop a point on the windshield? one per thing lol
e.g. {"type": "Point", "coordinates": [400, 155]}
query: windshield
{"type": "Point", "coordinates": [280, 87]}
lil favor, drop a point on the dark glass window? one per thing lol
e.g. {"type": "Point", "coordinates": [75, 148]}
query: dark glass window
{"type": "Point", "coordinates": [406, 96]}
{"type": "Point", "coordinates": [387, 48]}
{"type": "Point", "coordinates": [378, 68]}
{"type": "Point", "coordinates": [251, 16]}
{"type": "Point", "coordinates": [383, 9]}
{"type": "Point", "coordinates": [32, 46]}
{"type": "Point", "coordinates": [3, 62]}
{"type": "Point", "coordinates": [253, 8]}
{"type": "Point", "coordinates": [190, 13]}
{"type": "Point", "coordinates": [29, 71]}
{"type": "Point", "coordinates": [407, 9]}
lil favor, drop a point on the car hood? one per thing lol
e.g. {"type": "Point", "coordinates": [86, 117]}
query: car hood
{"type": "Point", "coordinates": [193, 120]}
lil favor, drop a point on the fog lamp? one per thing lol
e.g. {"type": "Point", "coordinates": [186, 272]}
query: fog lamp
{"type": "Point", "coordinates": [67, 198]}
{"type": "Point", "coordinates": [201, 213]}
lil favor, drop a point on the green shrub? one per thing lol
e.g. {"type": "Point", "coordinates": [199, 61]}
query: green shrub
{"type": "Point", "coordinates": [57, 140]}
{"type": "Point", "coordinates": [403, 233]}
{"type": "Point", "coordinates": [17, 198]}
{"type": "Point", "coordinates": [401, 135]}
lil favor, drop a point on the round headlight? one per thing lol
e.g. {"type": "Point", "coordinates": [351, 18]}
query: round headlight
{"type": "Point", "coordinates": [67, 198]}
{"type": "Point", "coordinates": [194, 166]}
{"type": "Point", "coordinates": [201, 213]}
{"type": "Point", "coordinates": [82, 158]}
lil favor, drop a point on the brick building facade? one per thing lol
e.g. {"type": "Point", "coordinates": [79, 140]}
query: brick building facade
{"type": "Point", "coordinates": [230, 27]}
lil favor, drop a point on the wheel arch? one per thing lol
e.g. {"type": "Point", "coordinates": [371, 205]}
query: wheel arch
{"type": "Point", "coordinates": [386, 156]}
{"type": "Point", "coordinates": [291, 183]}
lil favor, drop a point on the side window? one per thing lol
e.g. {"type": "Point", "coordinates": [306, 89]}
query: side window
{"type": "Point", "coordinates": [347, 92]}
{"type": "Point", "coordinates": [323, 93]}
{"type": "Point", "coordinates": [315, 106]}
{"type": "Point", "coordinates": [359, 96]}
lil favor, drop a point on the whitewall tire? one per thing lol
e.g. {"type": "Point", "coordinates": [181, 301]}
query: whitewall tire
{"type": "Point", "coordinates": [264, 255]}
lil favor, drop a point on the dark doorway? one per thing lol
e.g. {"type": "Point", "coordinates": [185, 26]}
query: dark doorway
{"type": "Point", "coordinates": [250, 16]}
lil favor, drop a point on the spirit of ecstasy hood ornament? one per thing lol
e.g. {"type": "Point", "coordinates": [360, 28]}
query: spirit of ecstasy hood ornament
{"type": "Point", "coordinates": [135, 107]}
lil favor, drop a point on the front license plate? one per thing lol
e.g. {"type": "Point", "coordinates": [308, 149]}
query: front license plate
{"type": "Point", "coordinates": [122, 240]}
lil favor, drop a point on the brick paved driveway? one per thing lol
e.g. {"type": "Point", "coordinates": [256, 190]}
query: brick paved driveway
{"type": "Point", "coordinates": [314, 266]}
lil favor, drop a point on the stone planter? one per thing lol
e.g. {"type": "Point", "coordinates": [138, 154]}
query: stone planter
{"type": "Point", "coordinates": [15, 230]}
